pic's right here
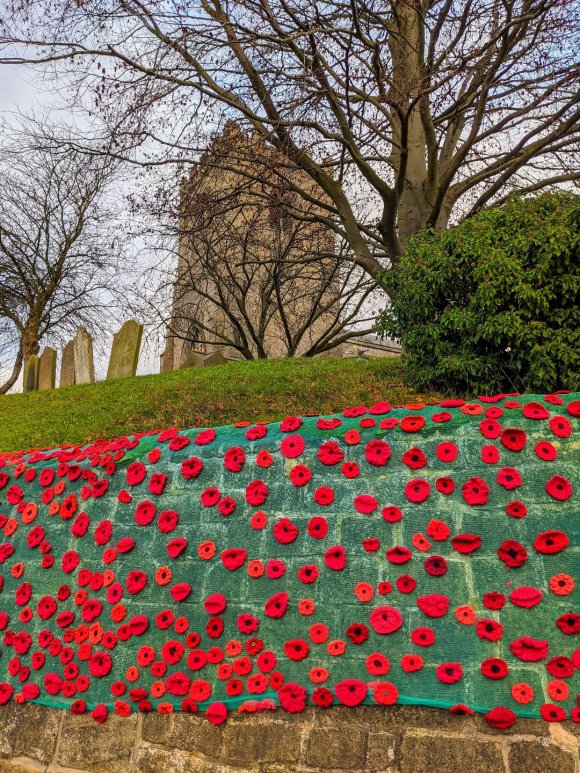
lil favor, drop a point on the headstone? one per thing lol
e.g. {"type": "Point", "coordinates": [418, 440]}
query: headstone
{"type": "Point", "coordinates": [84, 367]}
{"type": "Point", "coordinates": [166, 358]}
{"type": "Point", "coordinates": [67, 365]}
{"type": "Point", "coordinates": [47, 369]}
{"type": "Point", "coordinates": [195, 359]}
{"type": "Point", "coordinates": [30, 377]}
{"type": "Point", "coordinates": [215, 358]}
{"type": "Point", "coordinates": [125, 352]}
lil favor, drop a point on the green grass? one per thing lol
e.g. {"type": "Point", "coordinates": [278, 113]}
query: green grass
{"type": "Point", "coordinates": [264, 390]}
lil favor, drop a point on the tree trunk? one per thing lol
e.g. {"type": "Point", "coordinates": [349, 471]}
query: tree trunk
{"type": "Point", "coordinates": [414, 212]}
{"type": "Point", "coordinates": [9, 383]}
{"type": "Point", "coordinates": [28, 345]}
{"type": "Point", "coordinates": [412, 136]}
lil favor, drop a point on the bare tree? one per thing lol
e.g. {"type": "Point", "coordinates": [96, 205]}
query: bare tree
{"type": "Point", "coordinates": [256, 272]}
{"type": "Point", "coordinates": [426, 107]}
{"type": "Point", "coordinates": [60, 260]}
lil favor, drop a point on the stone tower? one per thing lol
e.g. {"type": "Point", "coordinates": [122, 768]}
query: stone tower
{"type": "Point", "coordinates": [243, 187]}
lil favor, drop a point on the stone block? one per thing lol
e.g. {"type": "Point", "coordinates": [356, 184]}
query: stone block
{"type": "Point", "coordinates": [30, 375]}
{"type": "Point", "coordinates": [47, 369]}
{"type": "Point", "coordinates": [105, 748]}
{"type": "Point", "coordinates": [125, 351]}
{"type": "Point", "coordinates": [9, 725]}
{"type": "Point", "coordinates": [310, 714]}
{"type": "Point", "coordinates": [246, 742]}
{"type": "Point", "coordinates": [21, 765]}
{"type": "Point", "coordinates": [154, 760]}
{"type": "Point", "coordinates": [29, 730]}
{"type": "Point", "coordinates": [183, 731]}
{"type": "Point", "coordinates": [572, 727]}
{"type": "Point", "coordinates": [397, 718]}
{"type": "Point", "coordinates": [537, 757]}
{"type": "Point", "coordinates": [448, 754]}
{"type": "Point", "coordinates": [332, 747]}
{"type": "Point", "coordinates": [277, 767]}
{"type": "Point", "coordinates": [83, 351]}
{"type": "Point", "coordinates": [37, 732]}
{"type": "Point", "coordinates": [67, 365]}
{"type": "Point", "coordinates": [383, 752]}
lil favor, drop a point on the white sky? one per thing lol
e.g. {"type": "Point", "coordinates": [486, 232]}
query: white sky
{"type": "Point", "coordinates": [21, 89]}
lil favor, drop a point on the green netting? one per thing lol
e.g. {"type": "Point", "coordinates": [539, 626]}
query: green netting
{"type": "Point", "coordinates": [89, 646]}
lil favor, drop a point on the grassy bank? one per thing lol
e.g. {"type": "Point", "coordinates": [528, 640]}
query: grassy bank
{"type": "Point", "coordinates": [264, 390]}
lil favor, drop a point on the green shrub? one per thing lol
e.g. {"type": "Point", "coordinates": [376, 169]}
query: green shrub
{"type": "Point", "coordinates": [492, 304]}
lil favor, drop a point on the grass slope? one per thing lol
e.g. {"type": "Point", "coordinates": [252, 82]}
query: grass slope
{"type": "Point", "coordinates": [257, 391]}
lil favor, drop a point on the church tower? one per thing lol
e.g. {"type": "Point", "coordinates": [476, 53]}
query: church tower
{"type": "Point", "coordinates": [250, 273]}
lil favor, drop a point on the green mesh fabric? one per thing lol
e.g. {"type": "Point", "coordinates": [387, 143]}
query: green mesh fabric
{"type": "Point", "coordinates": [536, 644]}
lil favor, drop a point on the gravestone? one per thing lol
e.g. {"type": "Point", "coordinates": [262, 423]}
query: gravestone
{"type": "Point", "coordinates": [84, 367]}
{"type": "Point", "coordinates": [195, 359]}
{"type": "Point", "coordinates": [30, 377]}
{"type": "Point", "coordinates": [67, 365]}
{"type": "Point", "coordinates": [47, 369]}
{"type": "Point", "coordinates": [167, 356]}
{"type": "Point", "coordinates": [214, 358]}
{"type": "Point", "coordinates": [125, 351]}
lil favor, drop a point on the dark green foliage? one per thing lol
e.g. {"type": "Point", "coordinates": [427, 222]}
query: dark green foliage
{"type": "Point", "coordinates": [492, 304]}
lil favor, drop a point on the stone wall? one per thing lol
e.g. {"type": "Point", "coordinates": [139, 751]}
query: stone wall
{"type": "Point", "coordinates": [394, 740]}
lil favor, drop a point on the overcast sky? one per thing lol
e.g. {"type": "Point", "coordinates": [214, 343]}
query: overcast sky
{"type": "Point", "coordinates": [17, 91]}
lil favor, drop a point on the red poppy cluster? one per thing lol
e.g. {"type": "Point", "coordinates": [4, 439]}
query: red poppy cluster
{"type": "Point", "coordinates": [254, 566]}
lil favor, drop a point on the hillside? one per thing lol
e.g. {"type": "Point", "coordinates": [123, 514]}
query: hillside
{"type": "Point", "coordinates": [261, 390]}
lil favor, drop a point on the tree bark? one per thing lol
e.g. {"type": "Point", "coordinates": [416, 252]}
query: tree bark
{"type": "Point", "coordinates": [9, 383]}
{"type": "Point", "coordinates": [28, 345]}
{"type": "Point", "coordinates": [411, 140]}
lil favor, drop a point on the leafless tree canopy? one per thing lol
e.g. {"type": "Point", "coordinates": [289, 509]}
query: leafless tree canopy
{"type": "Point", "coordinates": [59, 258]}
{"type": "Point", "coordinates": [422, 106]}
